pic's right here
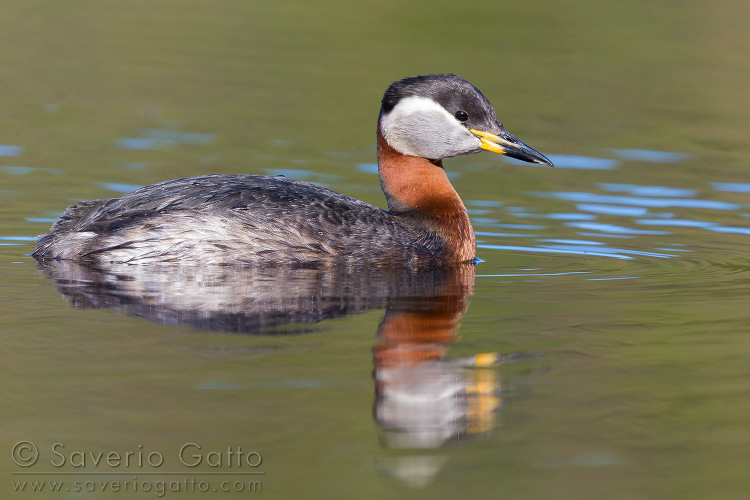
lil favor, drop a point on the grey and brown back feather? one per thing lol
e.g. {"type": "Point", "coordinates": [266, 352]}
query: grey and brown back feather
{"type": "Point", "coordinates": [237, 219]}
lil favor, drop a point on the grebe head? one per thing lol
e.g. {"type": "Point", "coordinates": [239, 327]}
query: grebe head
{"type": "Point", "coordinates": [442, 116]}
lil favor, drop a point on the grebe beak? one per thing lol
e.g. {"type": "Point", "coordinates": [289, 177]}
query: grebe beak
{"type": "Point", "coordinates": [506, 144]}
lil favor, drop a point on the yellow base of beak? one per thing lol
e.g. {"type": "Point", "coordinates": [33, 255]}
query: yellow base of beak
{"type": "Point", "coordinates": [491, 142]}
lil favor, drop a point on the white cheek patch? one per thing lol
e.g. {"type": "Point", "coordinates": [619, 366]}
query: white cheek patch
{"type": "Point", "coordinates": [419, 126]}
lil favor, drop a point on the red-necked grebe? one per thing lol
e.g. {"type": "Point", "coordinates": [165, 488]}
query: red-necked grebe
{"type": "Point", "coordinates": [261, 220]}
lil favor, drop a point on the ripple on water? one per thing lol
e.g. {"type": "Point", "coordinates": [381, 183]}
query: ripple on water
{"type": "Point", "coordinates": [675, 222]}
{"type": "Point", "coordinates": [729, 229]}
{"type": "Point", "coordinates": [368, 168]}
{"type": "Point", "coordinates": [650, 155]}
{"type": "Point", "coordinates": [503, 235]}
{"type": "Point", "coordinates": [601, 252]}
{"type": "Point", "coordinates": [557, 216]}
{"type": "Point", "coordinates": [521, 226]}
{"type": "Point", "coordinates": [484, 203]}
{"type": "Point", "coordinates": [612, 251]}
{"type": "Point", "coordinates": [639, 205]}
{"type": "Point", "coordinates": [588, 250]}
{"type": "Point", "coordinates": [612, 209]}
{"type": "Point", "coordinates": [7, 150]}
{"type": "Point", "coordinates": [609, 235]}
{"type": "Point", "coordinates": [612, 228]}
{"type": "Point", "coordinates": [731, 187]}
{"type": "Point", "coordinates": [118, 187]}
{"type": "Point", "coordinates": [155, 139]}
{"type": "Point", "coordinates": [639, 201]}
{"type": "Point", "coordinates": [511, 275]}
{"type": "Point", "coordinates": [45, 220]}
{"type": "Point", "coordinates": [577, 162]}
{"type": "Point", "coordinates": [657, 191]}
{"type": "Point", "coordinates": [573, 242]}
{"type": "Point", "coordinates": [18, 238]}
{"type": "Point", "coordinates": [9, 241]}
{"type": "Point", "coordinates": [28, 170]}
{"type": "Point", "coordinates": [710, 226]}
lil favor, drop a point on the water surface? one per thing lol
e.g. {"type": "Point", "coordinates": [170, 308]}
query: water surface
{"type": "Point", "coordinates": [598, 351]}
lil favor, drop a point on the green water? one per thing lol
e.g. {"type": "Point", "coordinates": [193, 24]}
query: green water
{"type": "Point", "coordinates": [612, 303]}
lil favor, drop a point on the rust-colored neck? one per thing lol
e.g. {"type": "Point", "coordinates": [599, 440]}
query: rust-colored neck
{"type": "Point", "coordinates": [419, 187]}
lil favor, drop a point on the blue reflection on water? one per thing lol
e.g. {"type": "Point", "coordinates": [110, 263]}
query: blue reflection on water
{"type": "Point", "coordinates": [649, 155]}
{"type": "Point", "coordinates": [484, 221]}
{"type": "Point", "coordinates": [520, 226]}
{"type": "Point", "coordinates": [484, 203]}
{"type": "Point", "coordinates": [570, 216]}
{"type": "Point", "coordinates": [732, 187]}
{"type": "Point", "coordinates": [118, 187]}
{"type": "Point", "coordinates": [609, 235]}
{"type": "Point", "coordinates": [613, 250]}
{"type": "Point", "coordinates": [599, 251]}
{"type": "Point", "coordinates": [368, 168]}
{"type": "Point", "coordinates": [141, 144]}
{"type": "Point", "coordinates": [612, 210]}
{"type": "Point", "coordinates": [560, 216]}
{"type": "Point", "coordinates": [18, 170]}
{"type": "Point", "coordinates": [731, 230]}
{"type": "Point", "coordinates": [18, 238]}
{"type": "Point", "coordinates": [641, 201]}
{"type": "Point", "coordinates": [711, 226]}
{"type": "Point", "coordinates": [28, 170]}
{"type": "Point", "coordinates": [611, 228]}
{"type": "Point", "coordinates": [574, 242]}
{"type": "Point", "coordinates": [158, 138]}
{"type": "Point", "coordinates": [583, 162]}
{"type": "Point", "coordinates": [674, 222]}
{"type": "Point", "coordinates": [530, 274]}
{"type": "Point", "coordinates": [647, 190]}
{"type": "Point", "coordinates": [611, 279]}
{"type": "Point", "coordinates": [6, 150]}
{"type": "Point", "coordinates": [45, 220]}
{"type": "Point", "coordinates": [503, 235]}
{"type": "Point", "coordinates": [579, 162]}
{"type": "Point", "coordinates": [571, 250]}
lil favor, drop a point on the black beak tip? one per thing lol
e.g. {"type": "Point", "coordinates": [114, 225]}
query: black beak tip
{"type": "Point", "coordinates": [530, 155]}
{"type": "Point", "coordinates": [543, 160]}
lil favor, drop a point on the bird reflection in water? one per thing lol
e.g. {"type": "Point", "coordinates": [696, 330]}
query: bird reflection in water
{"type": "Point", "coordinates": [423, 400]}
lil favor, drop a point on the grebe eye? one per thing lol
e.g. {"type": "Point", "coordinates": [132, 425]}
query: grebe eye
{"type": "Point", "coordinates": [461, 116]}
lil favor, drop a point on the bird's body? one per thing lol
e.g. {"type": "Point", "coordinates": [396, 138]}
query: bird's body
{"type": "Point", "coordinates": [215, 219]}
{"type": "Point", "coordinates": [261, 220]}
